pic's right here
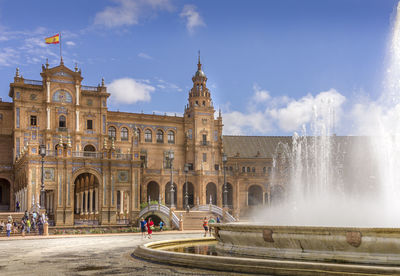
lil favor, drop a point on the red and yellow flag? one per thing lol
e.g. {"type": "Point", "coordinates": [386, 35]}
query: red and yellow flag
{"type": "Point", "coordinates": [55, 39]}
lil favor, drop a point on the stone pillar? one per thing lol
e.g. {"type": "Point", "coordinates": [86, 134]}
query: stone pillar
{"type": "Point", "coordinates": [86, 202]}
{"type": "Point", "coordinates": [96, 200]}
{"type": "Point", "coordinates": [77, 93]}
{"type": "Point", "coordinates": [121, 193]}
{"type": "Point", "coordinates": [77, 203]}
{"type": "Point", "coordinates": [48, 118]}
{"type": "Point", "coordinates": [127, 202]}
{"type": "Point", "coordinates": [90, 199]}
{"type": "Point", "coordinates": [81, 203]}
{"type": "Point", "coordinates": [77, 120]}
{"type": "Point", "coordinates": [48, 91]}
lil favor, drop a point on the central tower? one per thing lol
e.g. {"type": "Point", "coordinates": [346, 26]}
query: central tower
{"type": "Point", "coordinates": [203, 133]}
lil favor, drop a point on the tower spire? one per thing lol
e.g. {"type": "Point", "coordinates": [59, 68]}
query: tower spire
{"type": "Point", "coordinates": [199, 63]}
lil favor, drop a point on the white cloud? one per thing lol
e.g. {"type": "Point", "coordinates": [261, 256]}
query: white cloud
{"type": "Point", "coordinates": [265, 113]}
{"type": "Point", "coordinates": [238, 123]}
{"type": "Point", "coordinates": [165, 85]}
{"type": "Point", "coordinates": [193, 18]}
{"type": "Point", "coordinates": [302, 111]}
{"type": "Point", "coordinates": [128, 91]}
{"type": "Point", "coordinates": [145, 56]}
{"type": "Point", "coordinates": [70, 43]}
{"type": "Point", "coordinates": [8, 57]}
{"type": "Point", "coordinates": [128, 12]}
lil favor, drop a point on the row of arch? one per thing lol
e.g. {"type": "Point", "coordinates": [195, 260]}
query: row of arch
{"type": "Point", "coordinates": [255, 194]}
{"type": "Point", "coordinates": [148, 135]}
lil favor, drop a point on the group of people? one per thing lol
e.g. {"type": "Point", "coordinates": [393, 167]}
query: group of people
{"type": "Point", "coordinates": [206, 224]}
{"type": "Point", "coordinates": [148, 227]}
{"type": "Point", "coordinates": [28, 223]}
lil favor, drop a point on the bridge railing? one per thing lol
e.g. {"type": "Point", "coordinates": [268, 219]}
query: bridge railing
{"type": "Point", "coordinates": [162, 209]}
{"type": "Point", "coordinates": [215, 210]}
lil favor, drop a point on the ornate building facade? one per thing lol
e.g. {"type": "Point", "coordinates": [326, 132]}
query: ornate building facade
{"type": "Point", "coordinates": [100, 165]}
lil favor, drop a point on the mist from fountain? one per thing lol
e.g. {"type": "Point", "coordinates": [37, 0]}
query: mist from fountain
{"type": "Point", "coordinates": [344, 181]}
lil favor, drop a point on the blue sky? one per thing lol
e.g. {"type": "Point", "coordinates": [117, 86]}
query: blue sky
{"type": "Point", "coordinates": [268, 62]}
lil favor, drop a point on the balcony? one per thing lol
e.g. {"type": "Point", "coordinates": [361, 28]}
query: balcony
{"type": "Point", "coordinates": [205, 143]}
{"type": "Point", "coordinates": [89, 88]}
{"type": "Point", "coordinates": [33, 82]}
{"type": "Point", "coordinates": [87, 154]}
{"type": "Point", "coordinates": [62, 129]}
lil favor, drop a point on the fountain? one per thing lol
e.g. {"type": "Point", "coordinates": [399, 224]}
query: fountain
{"type": "Point", "coordinates": [341, 211]}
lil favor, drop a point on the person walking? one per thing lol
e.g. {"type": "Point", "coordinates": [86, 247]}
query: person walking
{"type": "Point", "coordinates": [150, 227]}
{"type": "Point", "coordinates": [17, 207]}
{"type": "Point", "coordinates": [8, 228]}
{"type": "Point", "coordinates": [161, 225]}
{"type": "Point", "coordinates": [205, 226]}
{"type": "Point", "coordinates": [143, 227]}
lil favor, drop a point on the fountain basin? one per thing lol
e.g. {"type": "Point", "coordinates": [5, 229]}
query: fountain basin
{"type": "Point", "coordinates": [159, 252]}
{"type": "Point", "coordinates": [324, 244]}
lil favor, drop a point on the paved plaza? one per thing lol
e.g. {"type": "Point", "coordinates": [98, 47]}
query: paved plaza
{"type": "Point", "coordinates": [87, 255]}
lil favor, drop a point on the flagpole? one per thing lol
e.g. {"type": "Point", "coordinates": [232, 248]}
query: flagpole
{"type": "Point", "coordinates": [60, 48]}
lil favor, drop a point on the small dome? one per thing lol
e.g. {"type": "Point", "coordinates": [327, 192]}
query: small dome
{"type": "Point", "coordinates": [200, 73]}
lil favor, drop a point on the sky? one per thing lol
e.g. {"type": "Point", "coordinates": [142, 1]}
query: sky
{"type": "Point", "coordinates": [271, 64]}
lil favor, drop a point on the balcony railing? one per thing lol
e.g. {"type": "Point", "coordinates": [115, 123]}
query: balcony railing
{"type": "Point", "coordinates": [33, 82]}
{"type": "Point", "coordinates": [62, 129]}
{"type": "Point", "coordinates": [89, 88]}
{"type": "Point", "coordinates": [205, 143]}
{"type": "Point", "coordinates": [87, 154]}
{"type": "Point", "coordinates": [124, 156]}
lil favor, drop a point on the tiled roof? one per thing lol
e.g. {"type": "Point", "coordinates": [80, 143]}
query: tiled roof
{"type": "Point", "coordinates": [253, 146]}
{"type": "Point", "coordinates": [266, 146]}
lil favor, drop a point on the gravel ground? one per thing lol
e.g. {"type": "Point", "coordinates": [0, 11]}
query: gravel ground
{"type": "Point", "coordinates": [87, 255]}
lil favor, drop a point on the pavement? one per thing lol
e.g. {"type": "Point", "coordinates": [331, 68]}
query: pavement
{"type": "Point", "coordinates": [92, 254]}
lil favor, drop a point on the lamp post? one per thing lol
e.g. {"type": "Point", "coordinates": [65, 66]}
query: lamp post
{"type": "Point", "coordinates": [224, 160]}
{"type": "Point", "coordinates": [186, 169]}
{"type": "Point", "coordinates": [172, 191]}
{"type": "Point", "coordinates": [42, 152]}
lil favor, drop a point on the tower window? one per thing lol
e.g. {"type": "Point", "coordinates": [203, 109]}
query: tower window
{"type": "Point", "coordinates": [89, 124]}
{"type": "Point", "coordinates": [204, 157]}
{"type": "Point", "coordinates": [33, 120]}
{"type": "Point", "coordinates": [204, 139]}
{"type": "Point", "coordinates": [62, 121]}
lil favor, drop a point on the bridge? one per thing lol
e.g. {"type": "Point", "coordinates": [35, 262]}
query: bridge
{"type": "Point", "coordinates": [182, 219]}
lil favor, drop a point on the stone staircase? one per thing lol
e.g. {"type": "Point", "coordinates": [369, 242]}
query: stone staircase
{"type": "Point", "coordinates": [194, 219]}
{"type": "Point", "coordinates": [15, 215]}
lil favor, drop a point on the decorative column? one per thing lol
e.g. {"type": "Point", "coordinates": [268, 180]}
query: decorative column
{"type": "Point", "coordinates": [96, 200]}
{"type": "Point", "coordinates": [77, 93]}
{"type": "Point", "coordinates": [86, 202]}
{"type": "Point", "coordinates": [121, 207]}
{"type": "Point", "coordinates": [90, 201]}
{"type": "Point", "coordinates": [48, 91]}
{"type": "Point", "coordinates": [77, 120]}
{"type": "Point", "coordinates": [81, 203]}
{"type": "Point", "coordinates": [48, 118]}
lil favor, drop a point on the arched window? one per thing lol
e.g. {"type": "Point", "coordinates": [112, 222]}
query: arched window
{"type": "Point", "coordinates": [124, 134]}
{"type": "Point", "coordinates": [148, 136]}
{"type": "Point", "coordinates": [112, 132]}
{"type": "Point", "coordinates": [139, 133]}
{"type": "Point", "coordinates": [62, 121]}
{"type": "Point", "coordinates": [160, 136]}
{"type": "Point", "coordinates": [171, 137]}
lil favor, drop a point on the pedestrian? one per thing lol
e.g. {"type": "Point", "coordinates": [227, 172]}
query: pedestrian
{"type": "Point", "coordinates": [15, 228]}
{"type": "Point", "coordinates": [40, 226]}
{"type": "Point", "coordinates": [17, 207]}
{"type": "Point", "coordinates": [8, 228]}
{"type": "Point", "coordinates": [2, 226]}
{"type": "Point", "coordinates": [218, 221]}
{"type": "Point", "coordinates": [211, 220]}
{"type": "Point", "coordinates": [26, 215]}
{"type": "Point", "coordinates": [150, 227]}
{"type": "Point", "coordinates": [143, 227]}
{"type": "Point", "coordinates": [205, 226]}
{"type": "Point", "coordinates": [161, 225]}
{"type": "Point", "coordinates": [28, 226]}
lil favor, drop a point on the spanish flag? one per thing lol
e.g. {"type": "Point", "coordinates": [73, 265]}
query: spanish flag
{"type": "Point", "coordinates": [55, 39]}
